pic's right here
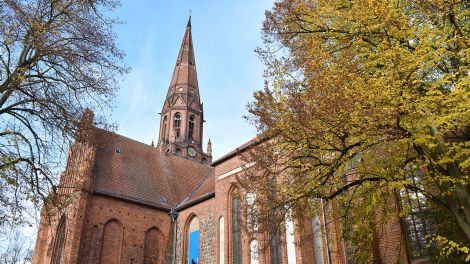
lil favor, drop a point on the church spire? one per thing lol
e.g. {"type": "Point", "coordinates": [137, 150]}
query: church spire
{"type": "Point", "coordinates": [184, 79]}
{"type": "Point", "coordinates": [182, 117]}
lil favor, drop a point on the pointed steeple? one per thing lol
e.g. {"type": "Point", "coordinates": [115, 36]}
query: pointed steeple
{"type": "Point", "coordinates": [182, 116]}
{"type": "Point", "coordinates": [189, 22]}
{"type": "Point", "coordinates": [184, 80]}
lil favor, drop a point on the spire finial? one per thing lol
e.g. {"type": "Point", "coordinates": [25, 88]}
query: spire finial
{"type": "Point", "coordinates": [209, 148]}
{"type": "Point", "coordinates": [189, 20]}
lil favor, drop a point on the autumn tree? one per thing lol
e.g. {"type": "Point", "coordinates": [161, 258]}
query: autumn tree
{"type": "Point", "coordinates": [57, 57]}
{"type": "Point", "coordinates": [367, 108]}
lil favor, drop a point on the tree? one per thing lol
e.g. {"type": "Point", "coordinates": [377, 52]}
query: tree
{"type": "Point", "coordinates": [57, 58]}
{"type": "Point", "coordinates": [16, 250]}
{"type": "Point", "coordinates": [367, 107]}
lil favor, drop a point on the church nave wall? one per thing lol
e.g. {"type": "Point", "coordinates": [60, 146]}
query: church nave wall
{"type": "Point", "coordinates": [121, 232]}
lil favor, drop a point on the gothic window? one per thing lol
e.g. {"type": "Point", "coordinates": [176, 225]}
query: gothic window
{"type": "Point", "coordinates": [417, 224]}
{"type": "Point", "coordinates": [251, 212]}
{"type": "Point", "coordinates": [290, 239]}
{"type": "Point", "coordinates": [152, 246]}
{"type": "Point", "coordinates": [275, 246]}
{"type": "Point", "coordinates": [193, 241]}
{"type": "Point", "coordinates": [59, 241]}
{"type": "Point", "coordinates": [178, 152]}
{"type": "Point", "coordinates": [177, 124]}
{"type": "Point", "coordinates": [164, 128]}
{"type": "Point", "coordinates": [191, 126]}
{"type": "Point", "coordinates": [236, 231]}
{"type": "Point", "coordinates": [112, 242]}
{"type": "Point", "coordinates": [254, 253]}
{"type": "Point", "coordinates": [274, 235]}
{"type": "Point", "coordinates": [317, 240]}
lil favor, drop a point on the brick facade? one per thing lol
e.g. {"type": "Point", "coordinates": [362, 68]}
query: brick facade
{"type": "Point", "coordinates": [129, 202]}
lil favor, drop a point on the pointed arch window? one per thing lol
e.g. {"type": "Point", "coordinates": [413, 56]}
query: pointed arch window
{"type": "Point", "coordinates": [177, 124]}
{"type": "Point", "coordinates": [317, 239]}
{"type": "Point", "coordinates": [275, 246]}
{"type": "Point", "coordinates": [251, 212]}
{"type": "Point", "coordinates": [290, 239]}
{"type": "Point", "coordinates": [152, 246]}
{"type": "Point", "coordinates": [254, 253]}
{"type": "Point", "coordinates": [191, 127]}
{"type": "Point", "coordinates": [417, 224]}
{"type": "Point", "coordinates": [236, 231]}
{"type": "Point", "coordinates": [111, 244]}
{"type": "Point", "coordinates": [193, 241]}
{"type": "Point", "coordinates": [59, 241]}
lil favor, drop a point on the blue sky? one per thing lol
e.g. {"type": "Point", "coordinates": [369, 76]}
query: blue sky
{"type": "Point", "coordinates": [225, 34]}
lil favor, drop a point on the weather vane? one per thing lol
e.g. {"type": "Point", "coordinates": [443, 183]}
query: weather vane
{"type": "Point", "coordinates": [190, 12]}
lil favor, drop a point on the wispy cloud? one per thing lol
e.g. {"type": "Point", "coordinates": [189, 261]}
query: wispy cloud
{"type": "Point", "coordinates": [135, 96]}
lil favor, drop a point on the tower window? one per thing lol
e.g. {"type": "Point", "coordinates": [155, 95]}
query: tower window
{"type": "Point", "coordinates": [164, 128]}
{"type": "Point", "coordinates": [177, 124]}
{"type": "Point", "coordinates": [191, 126]}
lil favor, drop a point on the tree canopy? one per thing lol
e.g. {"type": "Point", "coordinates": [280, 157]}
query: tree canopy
{"type": "Point", "coordinates": [367, 105]}
{"type": "Point", "coordinates": [57, 57]}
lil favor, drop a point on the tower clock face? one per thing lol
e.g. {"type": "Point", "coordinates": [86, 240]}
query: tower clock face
{"type": "Point", "coordinates": [191, 152]}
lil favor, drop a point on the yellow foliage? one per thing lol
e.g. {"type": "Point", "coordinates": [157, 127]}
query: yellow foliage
{"type": "Point", "coordinates": [364, 95]}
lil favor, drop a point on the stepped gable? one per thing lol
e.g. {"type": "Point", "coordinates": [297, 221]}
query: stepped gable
{"type": "Point", "coordinates": [131, 170]}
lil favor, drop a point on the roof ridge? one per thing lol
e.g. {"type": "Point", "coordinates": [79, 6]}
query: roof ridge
{"type": "Point", "coordinates": [125, 137]}
{"type": "Point", "coordinates": [195, 188]}
{"type": "Point", "coordinates": [259, 138]}
{"type": "Point", "coordinates": [190, 160]}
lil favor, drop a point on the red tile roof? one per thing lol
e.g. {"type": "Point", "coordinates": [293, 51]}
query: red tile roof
{"type": "Point", "coordinates": [258, 139]}
{"type": "Point", "coordinates": [204, 190]}
{"type": "Point", "coordinates": [141, 173]}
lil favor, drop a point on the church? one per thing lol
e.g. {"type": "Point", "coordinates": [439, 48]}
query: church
{"type": "Point", "coordinates": [134, 203]}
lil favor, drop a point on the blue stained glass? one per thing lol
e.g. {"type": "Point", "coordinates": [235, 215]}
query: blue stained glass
{"type": "Point", "coordinates": [193, 247]}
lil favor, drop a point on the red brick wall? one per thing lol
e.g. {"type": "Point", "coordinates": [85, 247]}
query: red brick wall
{"type": "Point", "coordinates": [88, 214]}
{"type": "Point", "coordinates": [73, 191]}
{"type": "Point", "coordinates": [224, 189]}
{"type": "Point", "coordinates": [135, 220]}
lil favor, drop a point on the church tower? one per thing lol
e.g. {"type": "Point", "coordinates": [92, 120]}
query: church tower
{"type": "Point", "coordinates": [182, 116]}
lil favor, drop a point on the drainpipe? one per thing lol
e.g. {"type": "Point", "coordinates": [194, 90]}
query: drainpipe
{"type": "Point", "coordinates": [174, 215]}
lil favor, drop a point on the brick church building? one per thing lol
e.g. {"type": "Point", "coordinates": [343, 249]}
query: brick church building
{"type": "Point", "coordinates": [131, 202]}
